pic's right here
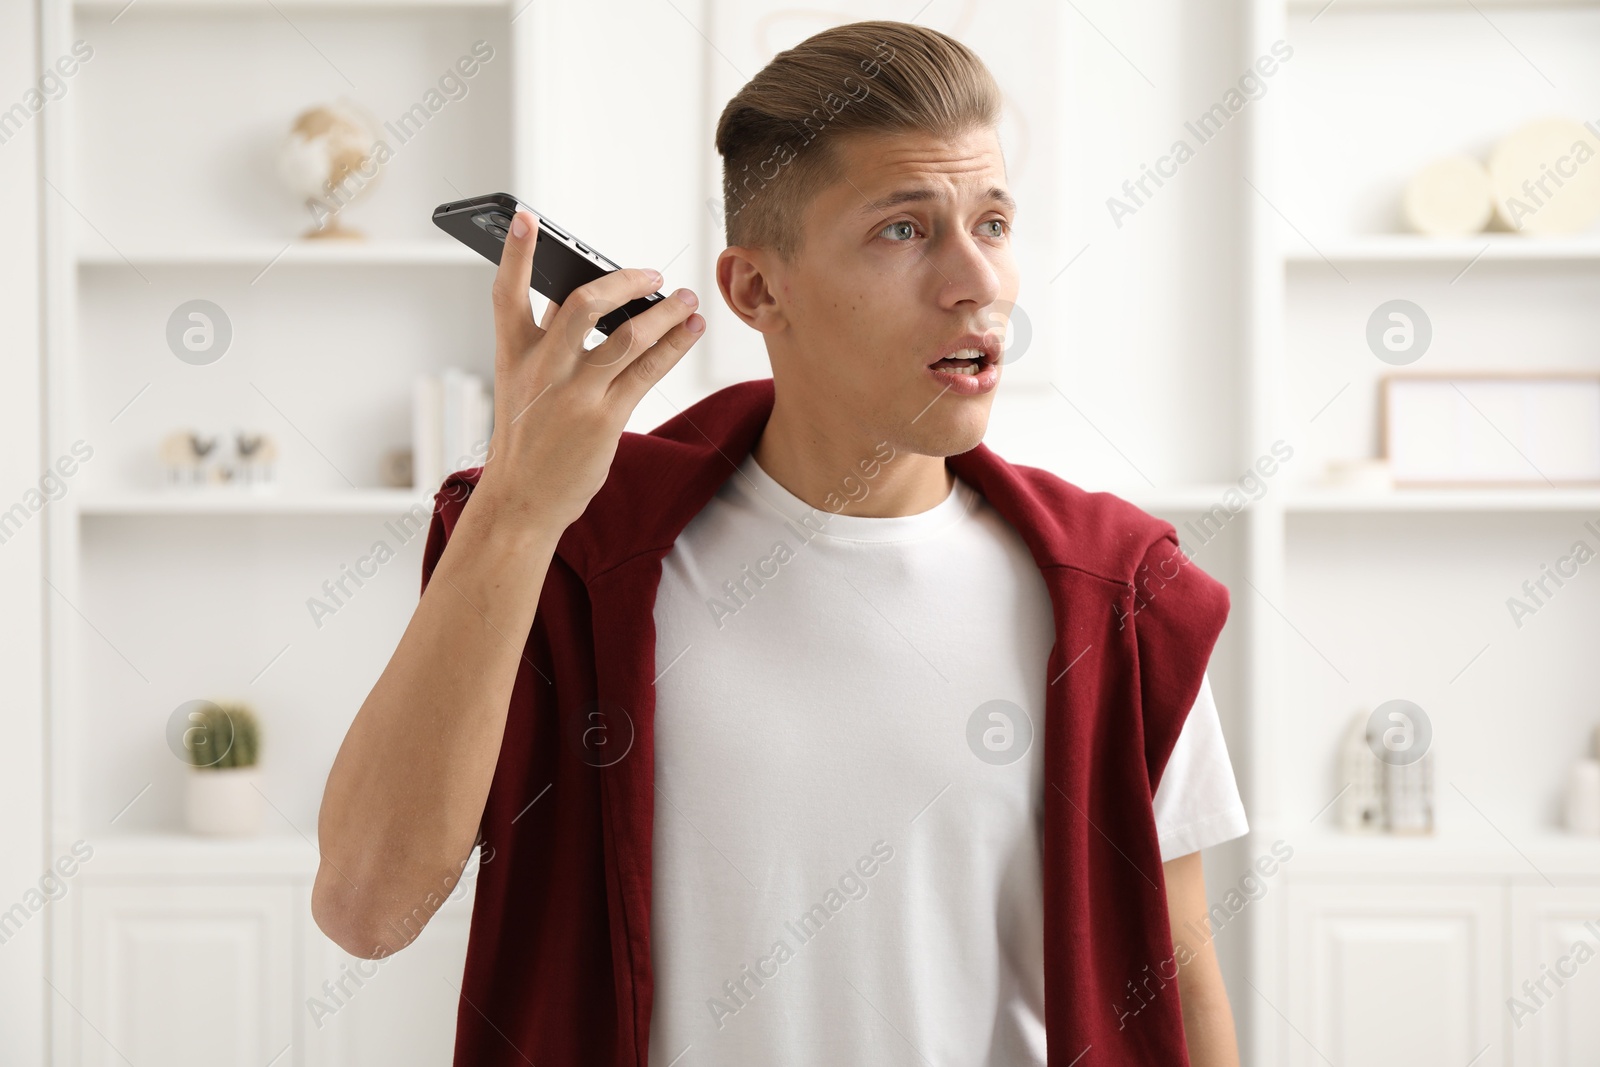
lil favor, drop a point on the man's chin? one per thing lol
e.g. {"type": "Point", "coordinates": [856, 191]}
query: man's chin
{"type": "Point", "coordinates": [947, 433]}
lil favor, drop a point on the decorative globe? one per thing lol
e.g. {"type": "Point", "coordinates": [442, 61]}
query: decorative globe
{"type": "Point", "coordinates": [329, 160]}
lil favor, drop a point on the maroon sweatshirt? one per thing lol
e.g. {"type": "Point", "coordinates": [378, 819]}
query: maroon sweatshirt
{"type": "Point", "coordinates": [558, 968]}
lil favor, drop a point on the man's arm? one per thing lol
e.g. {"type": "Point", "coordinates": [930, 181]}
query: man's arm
{"type": "Point", "coordinates": [401, 807]}
{"type": "Point", "coordinates": [1207, 1016]}
{"type": "Point", "coordinates": [406, 793]}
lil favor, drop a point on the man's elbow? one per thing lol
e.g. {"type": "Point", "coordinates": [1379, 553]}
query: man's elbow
{"type": "Point", "coordinates": [354, 923]}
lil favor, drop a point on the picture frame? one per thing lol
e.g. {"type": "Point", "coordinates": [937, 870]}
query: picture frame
{"type": "Point", "coordinates": [1492, 429]}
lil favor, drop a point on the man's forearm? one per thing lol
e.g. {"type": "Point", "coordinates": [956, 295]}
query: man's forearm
{"type": "Point", "coordinates": [406, 792]}
{"type": "Point", "coordinates": [1208, 1023]}
{"type": "Point", "coordinates": [1207, 1016]}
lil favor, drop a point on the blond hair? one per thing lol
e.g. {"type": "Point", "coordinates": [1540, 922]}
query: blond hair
{"type": "Point", "coordinates": [778, 136]}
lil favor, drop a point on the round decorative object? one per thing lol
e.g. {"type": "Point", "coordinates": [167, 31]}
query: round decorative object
{"type": "Point", "coordinates": [331, 157]}
{"type": "Point", "coordinates": [1546, 178]}
{"type": "Point", "coordinates": [1449, 198]}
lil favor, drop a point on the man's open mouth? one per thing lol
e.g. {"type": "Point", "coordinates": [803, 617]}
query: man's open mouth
{"type": "Point", "coordinates": [964, 361]}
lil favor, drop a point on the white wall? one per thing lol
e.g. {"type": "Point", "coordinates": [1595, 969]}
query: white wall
{"type": "Point", "coordinates": [23, 857]}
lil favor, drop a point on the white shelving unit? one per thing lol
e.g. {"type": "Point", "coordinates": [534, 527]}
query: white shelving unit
{"type": "Point", "coordinates": [171, 943]}
{"type": "Point", "coordinates": [1394, 949]}
{"type": "Point", "coordinates": [1527, 501]}
{"type": "Point", "coordinates": [159, 158]}
{"type": "Point", "coordinates": [289, 253]}
{"type": "Point", "coordinates": [1487, 248]}
{"type": "Point", "coordinates": [355, 502]}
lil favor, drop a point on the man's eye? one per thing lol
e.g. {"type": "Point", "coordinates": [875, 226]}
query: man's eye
{"type": "Point", "coordinates": [997, 222]}
{"type": "Point", "coordinates": [892, 225]}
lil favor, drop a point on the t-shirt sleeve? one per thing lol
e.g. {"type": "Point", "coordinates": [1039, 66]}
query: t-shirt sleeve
{"type": "Point", "coordinates": [1177, 613]}
{"type": "Point", "coordinates": [1197, 804]}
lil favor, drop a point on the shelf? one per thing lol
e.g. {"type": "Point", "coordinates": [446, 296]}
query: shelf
{"type": "Point", "coordinates": [1530, 854]}
{"type": "Point", "coordinates": [1485, 248]}
{"type": "Point", "coordinates": [295, 252]}
{"type": "Point", "coordinates": [166, 855]}
{"type": "Point", "coordinates": [1199, 496]}
{"type": "Point", "coordinates": [115, 6]}
{"type": "Point", "coordinates": [1414, 5]}
{"type": "Point", "coordinates": [395, 501]}
{"type": "Point", "coordinates": [1442, 500]}
{"type": "Point", "coordinates": [230, 502]}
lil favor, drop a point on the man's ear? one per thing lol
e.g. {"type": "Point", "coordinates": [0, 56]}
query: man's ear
{"type": "Point", "coordinates": [745, 277]}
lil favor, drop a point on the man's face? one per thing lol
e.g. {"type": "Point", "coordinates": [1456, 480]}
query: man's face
{"type": "Point", "coordinates": [879, 290]}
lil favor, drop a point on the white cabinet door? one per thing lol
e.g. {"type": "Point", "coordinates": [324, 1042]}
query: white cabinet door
{"type": "Point", "coordinates": [378, 1013]}
{"type": "Point", "coordinates": [185, 975]}
{"type": "Point", "coordinates": [1396, 974]}
{"type": "Point", "coordinates": [1554, 1012]}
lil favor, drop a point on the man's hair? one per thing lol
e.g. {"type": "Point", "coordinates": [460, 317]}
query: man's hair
{"type": "Point", "coordinates": [778, 136]}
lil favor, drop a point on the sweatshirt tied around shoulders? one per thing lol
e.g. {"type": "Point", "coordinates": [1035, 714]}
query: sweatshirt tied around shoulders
{"type": "Point", "coordinates": [558, 966]}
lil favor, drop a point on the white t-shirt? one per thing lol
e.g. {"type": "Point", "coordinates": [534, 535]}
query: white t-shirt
{"type": "Point", "coordinates": [848, 786]}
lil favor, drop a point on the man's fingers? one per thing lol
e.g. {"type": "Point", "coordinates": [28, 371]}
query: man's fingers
{"type": "Point", "coordinates": [593, 300]}
{"type": "Point", "coordinates": [513, 314]}
{"type": "Point", "coordinates": [636, 335]}
{"type": "Point", "coordinates": [550, 309]}
{"type": "Point", "coordinates": [641, 375]}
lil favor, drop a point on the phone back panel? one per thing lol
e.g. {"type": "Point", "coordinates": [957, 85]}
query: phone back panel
{"type": "Point", "coordinates": [561, 262]}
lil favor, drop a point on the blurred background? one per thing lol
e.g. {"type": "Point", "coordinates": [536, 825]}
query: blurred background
{"type": "Point", "coordinates": [1316, 281]}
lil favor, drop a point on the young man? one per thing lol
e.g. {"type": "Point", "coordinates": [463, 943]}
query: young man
{"type": "Point", "coordinates": [803, 729]}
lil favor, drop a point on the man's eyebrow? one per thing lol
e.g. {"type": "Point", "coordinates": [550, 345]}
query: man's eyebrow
{"type": "Point", "coordinates": [995, 194]}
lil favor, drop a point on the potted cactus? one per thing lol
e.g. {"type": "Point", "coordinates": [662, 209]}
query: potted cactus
{"type": "Point", "coordinates": [222, 745]}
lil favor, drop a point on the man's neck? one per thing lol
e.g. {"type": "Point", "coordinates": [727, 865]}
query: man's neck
{"type": "Point", "coordinates": [827, 467]}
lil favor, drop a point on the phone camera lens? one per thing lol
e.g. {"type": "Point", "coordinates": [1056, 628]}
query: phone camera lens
{"type": "Point", "coordinates": [493, 221]}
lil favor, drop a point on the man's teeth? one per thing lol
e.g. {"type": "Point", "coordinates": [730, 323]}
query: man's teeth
{"type": "Point", "coordinates": [973, 354]}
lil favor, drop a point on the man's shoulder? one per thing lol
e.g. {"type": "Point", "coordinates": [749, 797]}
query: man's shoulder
{"type": "Point", "coordinates": [1093, 531]}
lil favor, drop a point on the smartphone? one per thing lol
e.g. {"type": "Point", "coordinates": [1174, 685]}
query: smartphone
{"type": "Point", "coordinates": [561, 262]}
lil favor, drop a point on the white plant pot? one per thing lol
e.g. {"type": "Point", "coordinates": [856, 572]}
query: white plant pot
{"type": "Point", "coordinates": [224, 801]}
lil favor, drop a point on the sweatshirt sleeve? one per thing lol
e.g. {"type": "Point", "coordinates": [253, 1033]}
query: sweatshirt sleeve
{"type": "Point", "coordinates": [448, 503]}
{"type": "Point", "coordinates": [1178, 613]}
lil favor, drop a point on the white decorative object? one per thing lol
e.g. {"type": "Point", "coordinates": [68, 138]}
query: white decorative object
{"type": "Point", "coordinates": [223, 801]}
{"type": "Point", "coordinates": [451, 417]}
{"type": "Point", "coordinates": [1363, 474]}
{"type": "Point", "coordinates": [330, 158]}
{"type": "Point", "coordinates": [1583, 797]}
{"type": "Point", "coordinates": [194, 460]}
{"type": "Point", "coordinates": [1449, 198]}
{"type": "Point", "coordinates": [1547, 178]}
{"type": "Point", "coordinates": [1361, 804]}
{"type": "Point", "coordinates": [255, 460]}
{"type": "Point", "coordinates": [1408, 795]}
{"type": "Point", "coordinates": [183, 455]}
{"type": "Point", "coordinates": [1493, 429]}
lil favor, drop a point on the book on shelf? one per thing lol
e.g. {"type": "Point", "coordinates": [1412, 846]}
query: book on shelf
{"type": "Point", "coordinates": [450, 422]}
